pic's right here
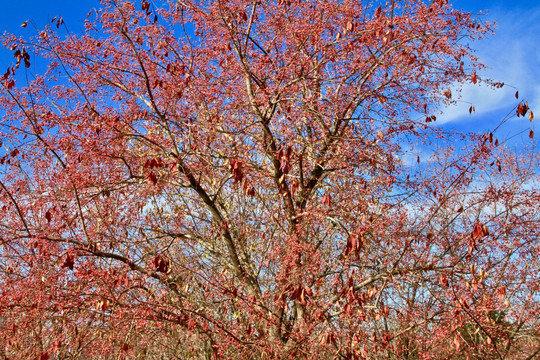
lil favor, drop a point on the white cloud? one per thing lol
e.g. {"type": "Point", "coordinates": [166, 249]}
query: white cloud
{"type": "Point", "coordinates": [513, 57]}
{"type": "Point", "coordinates": [484, 99]}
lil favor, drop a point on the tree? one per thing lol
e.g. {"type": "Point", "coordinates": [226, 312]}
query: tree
{"type": "Point", "coordinates": [232, 179]}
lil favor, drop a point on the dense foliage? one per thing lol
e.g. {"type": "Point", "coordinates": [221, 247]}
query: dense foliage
{"type": "Point", "coordinates": [246, 179]}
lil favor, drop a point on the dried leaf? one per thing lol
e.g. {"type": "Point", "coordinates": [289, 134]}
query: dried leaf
{"type": "Point", "coordinates": [522, 109]}
{"type": "Point", "coordinates": [501, 292]}
{"type": "Point", "coordinates": [69, 262]}
{"type": "Point", "coordinates": [480, 231]}
{"type": "Point", "coordinates": [236, 169]}
{"type": "Point", "coordinates": [443, 279]}
{"type": "Point", "coordinates": [326, 199]}
{"type": "Point", "coordinates": [153, 178]}
{"type": "Point", "coordinates": [350, 26]}
{"type": "Point", "coordinates": [161, 264]}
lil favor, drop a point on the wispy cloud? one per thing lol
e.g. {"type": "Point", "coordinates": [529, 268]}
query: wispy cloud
{"type": "Point", "coordinates": [512, 56]}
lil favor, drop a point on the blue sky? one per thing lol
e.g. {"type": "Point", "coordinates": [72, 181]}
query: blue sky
{"type": "Point", "coordinates": [512, 55]}
{"type": "Point", "coordinates": [14, 12]}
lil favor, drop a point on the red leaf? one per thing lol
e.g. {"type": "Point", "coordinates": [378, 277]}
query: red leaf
{"type": "Point", "coordinates": [443, 280]}
{"type": "Point", "coordinates": [354, 245]}
{"type": "Point", "coordinates": [531, 134]}
{"type": "Point", "coordinates": [297, 292]}
{"type": "Point", "coordinates": [480, 231]}
{"type": "Point", "coordinates": [501, 292]}
{"type": "Point", "coordinates": [161, 264]}
{"type": "Point", "coordinates": [146, 7]}
{"type": "Point", "coordinates": [522, 109]}
{"type": "Point", "coordinates": [48, 216]}
{"type": "Point", "coordinates": [350, 26]}
{"type": "Point", "coordinates": [448, 94]}
{"type": "Point", "coordinates": [8, 72]}
{"type": "Point", "coordinates": [26, 58]}
{"type": "Point", "coordinates": [153, 178]}
{"type": "Point", "coordinates": [69, 262]}
{"type": "Point", "coordinates": [303, 296]}
{"type": "Point", "coordinates": [24, 24]}
{"type": "Point", "coordinates": [378, 12]}
{"type": "Point", "coordinates": [326, 199]}
{"type": "Point", "coordinates": [517, 95]}
{"type": "Point", "coordinates": [473, 78]}
{"type": "Point", "coordinates": [104, 304]}
{"type": "Point", "coordinates": [349, 245]}
{"type": "Point", "coordinates": [236, 169]}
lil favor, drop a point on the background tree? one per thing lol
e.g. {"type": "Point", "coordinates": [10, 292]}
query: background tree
{"type": "Point", "coordinates": [230, 179]}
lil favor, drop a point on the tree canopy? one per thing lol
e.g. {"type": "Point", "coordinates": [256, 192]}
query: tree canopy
{"type": "Point", "coordinates": [244, 179]}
